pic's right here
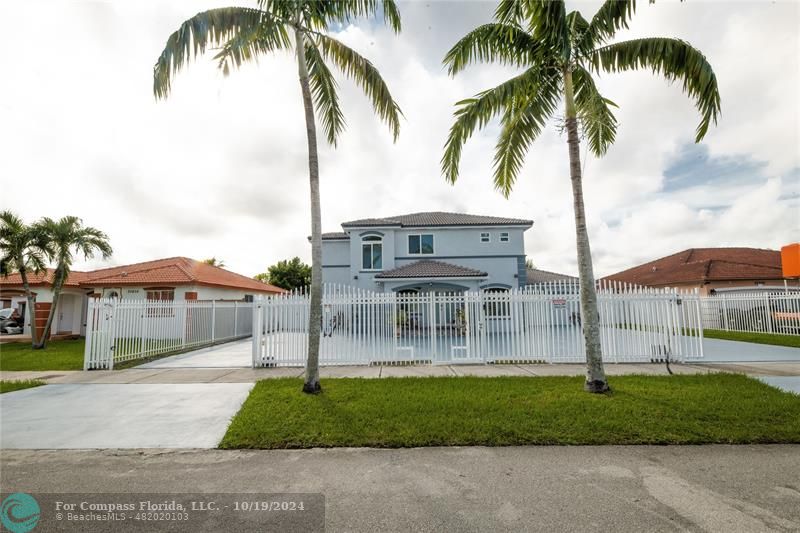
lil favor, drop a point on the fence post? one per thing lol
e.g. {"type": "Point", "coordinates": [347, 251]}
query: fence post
{"type": "Point", "coordinates": [213, 319]}
{"type": "Point", "coordinates": [768, 312]}
{"type": "Point", "coordinates": [258, 305]}
{"type": "Point", "coordinates": [235, 309]}
{"type": "Point", "coordinates": [113, 344]}
{"type": "Point", "coordinates": [725, 313]}
{"type": "Point", "coordinates": [699, 320]}
{"type": "Point", "coordinates": [87, 350]}
{"type": "Point", "coordinates": [432, 323]}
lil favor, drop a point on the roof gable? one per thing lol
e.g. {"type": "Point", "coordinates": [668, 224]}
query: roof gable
{"type": "Point", "coordinates": [431, 269]}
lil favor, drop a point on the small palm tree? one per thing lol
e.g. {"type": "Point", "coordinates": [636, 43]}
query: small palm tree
{"type": "Point", "coordinates": [66, 237]}
{"type": "Point", "coordinates": [559, 53]}
{"type": "Point", "coordinates": [214, 262]}
{"type": "Point", "coordinates": [23, 249]}
{"type": "Point", "coordinates": [241, 34]}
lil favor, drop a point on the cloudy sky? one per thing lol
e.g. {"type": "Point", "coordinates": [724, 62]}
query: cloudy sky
{"type": "Point", "coordinates": [219, 169]}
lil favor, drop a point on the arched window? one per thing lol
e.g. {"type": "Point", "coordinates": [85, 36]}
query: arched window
{"type": "Point", "coordinates": [372, 253]}
{"type": "Point", "coordinates": [496, 302]}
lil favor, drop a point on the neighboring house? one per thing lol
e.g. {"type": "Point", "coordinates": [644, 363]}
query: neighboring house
{"type": "Point", "coordinates": [175, 278]}
{"type": "Point", "coordinates": [710, 270]}
{"type": "Point", "coordinates": [537, 276]}
{"type": "Point", "coordinates": [431, 251]}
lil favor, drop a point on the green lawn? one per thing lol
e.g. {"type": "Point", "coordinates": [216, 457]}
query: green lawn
{"type": "Point", "coordinates": [59, 355]}
{"type": "Point", "coordinates": [405, 412]}
{"type": "Point", "coordinates": [11, 386]}
{"type": "Point", "coordinates": [759, 338]}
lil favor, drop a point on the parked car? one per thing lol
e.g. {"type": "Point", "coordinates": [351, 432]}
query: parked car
{"type": "Point", "coordinates": [10, 322]}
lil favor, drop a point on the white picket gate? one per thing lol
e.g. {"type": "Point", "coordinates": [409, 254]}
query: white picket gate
{"type": "Point", "coordinates": [123, 330]}
{"type": "Point", "coordinates": [534, 324]}
{"type": "Point", "coordinates": [757, 311]}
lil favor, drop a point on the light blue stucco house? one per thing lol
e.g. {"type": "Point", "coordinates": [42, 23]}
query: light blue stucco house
{"type": "Point", "coordinates": [432, 251]}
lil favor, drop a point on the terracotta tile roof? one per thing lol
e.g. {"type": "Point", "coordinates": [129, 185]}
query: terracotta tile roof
{"type": "Point", "coordinates": [535, 275]}
{"type": "Point", "coordinates": [170, 271]}
{"type": "Point", "coordinates": [437, 218]}
{"type": "Point", "coordinates": [175, 270]}
{"type": "Point", "coordinates": [45, 278]}
{"type": "Point", "coordinates": [431, 269]}
{"type": "Point", "coordinates": [700, 265]}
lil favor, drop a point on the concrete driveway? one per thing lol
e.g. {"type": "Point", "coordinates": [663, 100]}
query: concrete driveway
{"type": "Point", "coordinates": [119, 416]}
{"type": "Point", "coordinates": [236, 354]}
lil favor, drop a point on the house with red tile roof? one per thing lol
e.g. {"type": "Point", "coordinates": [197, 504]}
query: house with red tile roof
{"type": "Point", "coordinates": [708, 269]}
{"type": "Point", "coordinates": [174, 278]}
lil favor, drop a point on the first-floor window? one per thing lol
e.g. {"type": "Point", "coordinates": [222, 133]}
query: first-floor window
{"type": "Point", "coordinates": [496, 302]}
{"type": "Point", "coordinates": [371, 253]}
{"type": "Point", "coordinates": [160, 295]}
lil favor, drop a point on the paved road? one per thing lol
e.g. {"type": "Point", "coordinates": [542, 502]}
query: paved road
{"type": "Point", "coordinates": [626, 488]}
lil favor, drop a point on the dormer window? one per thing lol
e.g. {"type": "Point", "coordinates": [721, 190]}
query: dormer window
{"type": "Point", "coordinates": [372, 253]}
{"type": "Point", "coordinates": [420, 244]}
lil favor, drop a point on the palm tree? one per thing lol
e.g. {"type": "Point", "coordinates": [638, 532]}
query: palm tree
{"type": "Point", "coordinates": [66, 237]}
{"type": "Point", "coordinates": [241, 34]}
{"type": "Point", "coordinates": [214, 262]}
{"type": "Point", "coordinates": [559, 53]}
{"type": "Point", "coordinates": [23, 249]}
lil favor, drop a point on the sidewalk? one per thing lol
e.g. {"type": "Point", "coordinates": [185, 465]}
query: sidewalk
{"type": "Point", "coordinates": [251, 375]}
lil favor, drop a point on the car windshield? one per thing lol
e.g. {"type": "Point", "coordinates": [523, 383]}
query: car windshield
{"type": "Point", "coordinates": [6, 313]}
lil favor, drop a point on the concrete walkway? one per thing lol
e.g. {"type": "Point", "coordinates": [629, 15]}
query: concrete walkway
{"type": "Point", "coordinates": [472, 489]}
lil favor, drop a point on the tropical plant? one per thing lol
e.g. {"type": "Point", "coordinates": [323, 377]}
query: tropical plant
{"type": "Point", "coordinates": [559, 53]}
{"type": "Point", "coordinates": [214, 262]}
{"type": "Point", "coordinates": [67, 237]}
{"type": "Point", "coordinates": [23, 249]}
{"type": "Point", "coordinates": [241, 34]}
{"type": "Point", "coordinates": [289, 274]}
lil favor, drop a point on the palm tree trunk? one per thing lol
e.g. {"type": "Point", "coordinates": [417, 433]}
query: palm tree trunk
{"type": "Point", "coordinates": [595, 374]}
{"type": "Point", "coordinates": [312, 384]}
{"type": "Point", "coordinates": [31, 306]}
{"type": "Point", "coordinates": [58, 284]}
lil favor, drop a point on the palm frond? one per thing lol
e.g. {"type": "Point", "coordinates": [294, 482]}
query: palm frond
{"type": "Point", "coordinates": [474, 113]}
{"type": "Point", "coordinates": [522, 123]}
{"type": "Point", "coordinates": [509, 12]}
{"type": "Point", "coordinates": [323, 90]}
{"type": "Point", "coordinates": [216, 27]}
{"type": "Point", "coordinates": [612, 16]}
{"type": "Point", "coordinates": [547, 22]}
{"type": "Point", "coordinates": [675, 60]}
{"type": "Point", "coordinates": [598, 122]}
{"type": "Point", "coordinates": [345, 11]}
{"type": "Point", "coordinates": [246, 45]}
{"type": "Point", "coordinates": [366, 76]}
{"type": "Point", "coordinates": [505, 43]}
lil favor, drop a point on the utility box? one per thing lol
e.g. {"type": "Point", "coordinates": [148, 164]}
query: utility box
{"type": "Point", "coordinates": [790, 260]}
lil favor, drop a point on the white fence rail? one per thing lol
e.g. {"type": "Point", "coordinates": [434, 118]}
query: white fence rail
{"type": "Point", "coordinates": [541, 324]}
{"type": "Point", "coordinates": [758, 312]}
{"type": "Point", "coordinates": [124, 330]}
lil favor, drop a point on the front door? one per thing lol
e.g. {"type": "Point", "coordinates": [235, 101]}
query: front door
{"type": "Point", "coordinates": [66, 313]}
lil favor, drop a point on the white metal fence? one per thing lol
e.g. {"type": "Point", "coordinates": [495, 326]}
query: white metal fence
{"type": "Point", "coordinates": [760, 312]}
{"type": "Point", "coordinates": [123, 330]}
{"type": "Point", "coordinates": [535, 324]}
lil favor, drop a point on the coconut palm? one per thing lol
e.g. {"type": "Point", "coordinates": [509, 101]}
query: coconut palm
{"type": "Point", "coordinates": [67, 237]}
{"type": "Point", "coordinates": [241, 34]}
{"type": "Point", "coordinates": [559, 53]}
{"type": "Point", "coordinates": [23, 249]}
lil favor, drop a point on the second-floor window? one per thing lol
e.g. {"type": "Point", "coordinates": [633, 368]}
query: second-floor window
{"type": "Point", "coordinates": [485, 236]}
{"type": "Point", "coordinates": [420, 244]}
{"type": "Point", "coordinates": [504, 236]}
{"type": "Point", "coordinates": [371, 253]}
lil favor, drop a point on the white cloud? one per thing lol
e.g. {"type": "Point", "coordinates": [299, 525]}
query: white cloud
{"type": "Point", "coordinates": [220, 167]}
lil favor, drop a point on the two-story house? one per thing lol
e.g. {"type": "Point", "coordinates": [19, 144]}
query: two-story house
{"type": "Point", "coordinates": [431, 251]}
